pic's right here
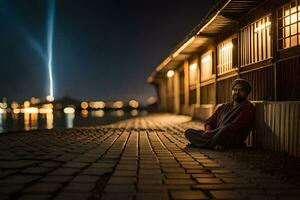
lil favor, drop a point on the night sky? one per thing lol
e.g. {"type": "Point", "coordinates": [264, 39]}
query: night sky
{"type": "Point", "coordinates": [103, 49]}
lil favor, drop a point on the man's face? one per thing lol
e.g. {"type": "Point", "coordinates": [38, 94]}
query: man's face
{"type": "Point", "coordinates": [239, 93]}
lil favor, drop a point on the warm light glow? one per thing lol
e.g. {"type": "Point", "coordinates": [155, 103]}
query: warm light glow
{"type": "Point", "coordinates": [84, 113]}
{"type": "Point", "coordinates": [170, 73]}
{"type": "Point", "coordinates": [228, 46]}
{"type": "Point", "coordinates": [118, 104]}
{"type": "Point", "coordinates": [49, 120]}
{"type": "Point", "coordinates": [16, 111]}
{"type": "Point", "coordinates": [50, 98]}
{"type": "Point", "coordinates": [262, 26]}
{"type": "Point", "coordinates": [151, 100]}
{"type": "Point", "coordinates": [45, 110]}
{"type": "Point", "coordinates": [206, 59]}
{"type": "Point", "coordinates": [97, 113]}
{"type": "Point", "coordinates": [206, 66]}
{"type": "Point", "coordinates": [26, 104]}
{"type": "Point", "coordinates": [3, 105]}
{"type": "Point", "coordinates": [97, 105]}
{"type": "Point", "coordinates": [134, 112]}
{"type": "Point", "coordinates": [34, 100]}
{"type": "Point", "coordinates": [2, 111]}
{"type": "Point", "coordinates": [120, 113]}
{"type": "Point", "coordinates": [69, 110]}
{"type": "Point", "coordinates": [193, 67]}
{"type": "Point", "coordinates": [84, 105]}
{"type": "Point", "coordinates": [133, 103]}
{"type": "Point", "coordinates": [14, 105]}
{"type": "Point", "coordinates": [31, 110]}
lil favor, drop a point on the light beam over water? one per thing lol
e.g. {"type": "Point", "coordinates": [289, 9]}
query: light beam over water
{"type": "Point", "coordinates": [50, 31]}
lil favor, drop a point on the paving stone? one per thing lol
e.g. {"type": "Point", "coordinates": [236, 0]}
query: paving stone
{"type": "Point", "coordinates": [43, 188]}
{"type": "Point", "coordinates": [64, 172]}
{"type": "Point", "coordinates": [34, 197]}
{"type": "Point", "coordinates": [151, 196]}
{"type": "Point", "coordinates": [225, 194]}
{"type": "Point", "coordinates": [72, 195]}
{"type": "Point", "coordinates": [19, 179]}
{"type": "Point", "coordinates": [188, 195]}
{"type": "Point", "coordinates": [56, 179]}
{"type": "Point", "coordinates": [223, 186]}
{"type": "Point", "coordinates": [208, 180]}
{"type": "Point", "coordinates": [78, 165]}
{"type": "Point", "coordinates": [85, 179]}
{"type": "Point", "coordinates": [97, 171]}
{"type": "Point", "coordinates": [36, 170]}
{"type": "Point", "coordinates": [117, 196]}
{"type": "Point", "coordinates": [119, 188]}
{"type": "Point", "coordinates": [10, 188]}
{"type": "Point", "coordinates": [179, 181]}
{"type": "Point", "coordinates": [177, 176]}
{"type": "Point", "coordinates": [125, 173]}
{"type": "Point", "coordinates": [79, 187]}
{"type": "Point", "coordinates": [122, 180]}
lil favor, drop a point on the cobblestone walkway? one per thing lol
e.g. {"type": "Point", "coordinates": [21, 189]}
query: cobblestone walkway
{"type": "Point", "coordinates": [141, 158]}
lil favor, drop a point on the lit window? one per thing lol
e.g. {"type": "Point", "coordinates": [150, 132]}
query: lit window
{"type": "Point", "coordinates": [225, 56]}
{"type": "Point", "coordinates": [289, 25]}
{"type": "Point", "coordinates": [206, 66]}
{"type": "Point", "coordinates": [256, 41]}
{"type": "Point", "coordinates": [193, 70]}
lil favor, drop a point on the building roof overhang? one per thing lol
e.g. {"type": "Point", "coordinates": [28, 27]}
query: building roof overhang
{"type": "Point", "coordinates": [221, 17]}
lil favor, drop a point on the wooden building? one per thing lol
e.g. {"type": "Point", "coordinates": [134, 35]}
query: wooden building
{"type": "Point", "coordinates": [257, 40]}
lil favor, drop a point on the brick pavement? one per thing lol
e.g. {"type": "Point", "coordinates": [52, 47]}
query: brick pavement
{"type": "Point", "coordinates": [140, 158]}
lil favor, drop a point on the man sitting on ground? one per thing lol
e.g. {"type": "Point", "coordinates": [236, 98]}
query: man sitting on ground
{"type": "Point", "coordinates": [231, 123]}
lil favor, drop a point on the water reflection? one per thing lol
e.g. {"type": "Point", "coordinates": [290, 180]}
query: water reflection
{"type": "Point", "coordinates": [70, 120]}
{"type": "Point", "coordinates": [2, 120]}
{"type": "Point", "coordinates": [49, 120]}
{"type": "Point", "coordinates": [30, 121]}
{"type": "Point", "coordinates": [97, 113]}
{"type": "Point", "coordinates": [19, 119]}
{"type": "Point", "coordinates": [84, 113]}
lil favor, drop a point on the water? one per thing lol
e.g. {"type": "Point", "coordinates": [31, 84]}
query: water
{"type": "Point", "coordinates": [10, 122]}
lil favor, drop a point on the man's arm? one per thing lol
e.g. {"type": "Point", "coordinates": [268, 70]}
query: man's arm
{"type": "Point", "coordinates": [211, 122]}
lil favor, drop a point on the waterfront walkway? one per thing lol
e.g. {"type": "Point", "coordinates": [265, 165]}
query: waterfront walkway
{"type": "Point", "coordinates": [140, 159]}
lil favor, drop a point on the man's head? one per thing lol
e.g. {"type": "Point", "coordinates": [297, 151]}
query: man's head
{"type": "Point", "coordinates": [240, 90]}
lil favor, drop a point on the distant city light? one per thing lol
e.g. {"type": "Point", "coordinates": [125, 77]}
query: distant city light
{"type": "Point", "coordinates": [3, 105]}
{"type": "Point", "coordinates": [97, 104]}
{"type": "Point", "coordinates": [50, 98]}
{"type": "Point", "coordinates": [45, 110]}
{"type": "Point", "coordinates": [14, 105]}
{"type": "Point", "coordinates": [26, 104]}
{"type": "Point", "coordinates": [118, 104]}
{"type": "Point", "coordinates": [84, 105]}
{"type": "Point", "coordinates": [69, 110]}
{"type": "Point", "coordinates": [133, 103]}
{"type": "Point", "coordinates": [34, 100]}
{"type": "Point", "coordinates": [170, 73]}
{"type": "Point", "coordinates": [32, 110]}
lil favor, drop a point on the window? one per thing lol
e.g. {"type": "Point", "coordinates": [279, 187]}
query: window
{"type": "Point", "coordinates": [256, 41]}
{"type": "Point", "coordinates": [289, 25]}
{"type": "Point", "coordinates": [193, 79]}
{"type": "Point", "coordinates": [206, 66]}
{"type": "Point", "coordinates": [225, 56]}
